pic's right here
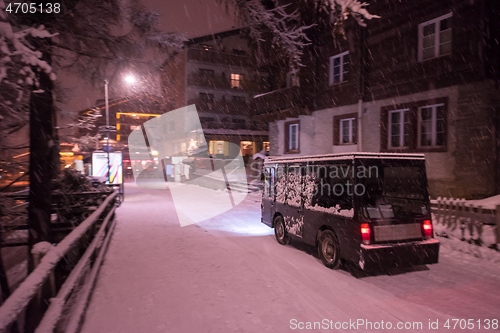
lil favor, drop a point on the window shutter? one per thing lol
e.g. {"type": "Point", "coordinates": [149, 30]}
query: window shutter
{"type": "Point", "coordinates": [384, 123]}
{"type": "Point", "coordinates": [355, 130]}
{"type": "Point", "coordinates": [287, 137]}
{"type": "Point", "coordinates": [330, 72]}
{"type": "Point", "coordinates": [336, 131]}
{"type": "Point", "coordinates": [298, 137]}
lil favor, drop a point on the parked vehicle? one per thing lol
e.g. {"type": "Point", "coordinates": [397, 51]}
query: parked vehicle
{"type": "Point", "coordinates": [371, 209]}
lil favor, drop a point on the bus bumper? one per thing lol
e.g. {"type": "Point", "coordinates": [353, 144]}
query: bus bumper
{"type": "Point", "coordinates": [399, 255]}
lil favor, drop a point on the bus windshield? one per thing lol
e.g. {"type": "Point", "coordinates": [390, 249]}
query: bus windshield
{"type": "Point", "coordinates": [395, 191]}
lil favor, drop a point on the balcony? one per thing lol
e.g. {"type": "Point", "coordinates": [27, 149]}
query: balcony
{"type": "Point", "coordinates": [212, 81]}
{"type": "Point", "coordinates": [221, 58]}
{"type": "Point", "coordinates": [224, 125]}
{"type": "Point", "coordinates": [276, 100]}
{"type": "Point", "coordinates": [239, 108]}
{"type": "Point", "coordinates": [223, 82]}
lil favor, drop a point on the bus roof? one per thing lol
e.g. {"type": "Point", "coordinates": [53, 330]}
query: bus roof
{"type": "Point", "coordinates": [343, 156]}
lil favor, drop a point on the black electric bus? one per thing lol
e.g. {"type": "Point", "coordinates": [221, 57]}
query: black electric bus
{"type": "Point", "coordinates": [372, 209]}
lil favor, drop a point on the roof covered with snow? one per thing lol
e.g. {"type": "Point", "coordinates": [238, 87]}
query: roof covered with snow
{"type": "Point", "coordinates": [343, 156]}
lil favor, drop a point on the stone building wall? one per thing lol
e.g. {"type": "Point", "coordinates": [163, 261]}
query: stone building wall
{"type": "Point", "coordinates": [274, 147]}
{"type": "Point", "coordinates": [468, 168]}
{"type": "Point", "coordinates": [476, 146]}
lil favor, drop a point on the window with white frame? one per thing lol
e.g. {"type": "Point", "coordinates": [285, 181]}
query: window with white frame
{"type": "Point", "coordinates": [431, 126]}
{"type": "Point", "coordinates": [293, 139]}
{"type": "Point", "coordinates": [399, 128]}
{"type": "Point", "coordinates": [434, 37]}
{"type": "Point", "coordinates": [236, 81]}
{"type": "Point", "coordinates": [347, 131]}
{"type": "Point", "coordinates": [339, 68]}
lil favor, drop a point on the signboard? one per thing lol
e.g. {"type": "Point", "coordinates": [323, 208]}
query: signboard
{"type": "Point", "coordinates": [100, 166]}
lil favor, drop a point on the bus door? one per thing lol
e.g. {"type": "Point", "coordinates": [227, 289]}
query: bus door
{"type": "Point", "coordinates": [268, 197]}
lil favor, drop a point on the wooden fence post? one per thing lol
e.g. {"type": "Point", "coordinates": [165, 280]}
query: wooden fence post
{"type": "Point", "coordinates": [470, 219]}
{"type": "Point", "coordinates": [497, 213]}
{"type": "Point", "coordinates": [447, 220]}
{"type": "Point", "coordinates": [439, 213]}
{"type": "Point", "coordinates": [479, 225]}
{"type": "Point", "coordinates": [461, 218]}
{"type": "Point", "coordinates": [453, 214]}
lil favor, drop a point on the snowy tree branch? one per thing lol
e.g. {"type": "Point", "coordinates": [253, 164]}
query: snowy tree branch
{"type": "Point", "coordinates": [19, 62]}
{"type": "Point", "coordinates": [285, 29]}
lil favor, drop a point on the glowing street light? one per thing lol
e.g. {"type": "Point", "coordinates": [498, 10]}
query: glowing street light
{"type": "Point", "coordinates": [130, 79]}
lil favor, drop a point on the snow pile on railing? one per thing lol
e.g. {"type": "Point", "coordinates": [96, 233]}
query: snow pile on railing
{"type": "Point", "coordinates": [18, 301]}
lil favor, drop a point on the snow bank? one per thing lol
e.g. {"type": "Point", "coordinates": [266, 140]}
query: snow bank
{"type": "Point", "coordinates": [487, 203]}
{"type": "Point", "coordinates": [451, 244]}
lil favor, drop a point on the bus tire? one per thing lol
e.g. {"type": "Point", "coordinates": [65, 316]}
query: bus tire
{"type": "Point", "coordinates": [328, 249]}
{"type": "Point", "coordinates": [280, 232]}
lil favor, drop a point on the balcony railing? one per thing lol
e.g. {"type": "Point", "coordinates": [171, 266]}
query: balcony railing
{"type": "Point", "coordinates": [223, 82]}
{"type": "Point", "coordinates": [212, 81]}
{"type": "Point", "coordinates": [219, 58]}
{"type": "Point", "coordinates": [220, 107]}
{"type": "Point", "coordinates": [276, 100]}
{"type": "Point", "coordinates": [225, 125]}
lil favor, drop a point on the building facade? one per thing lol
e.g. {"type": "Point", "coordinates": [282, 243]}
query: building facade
{"type": "Point", "coordinates": [218, 75]}
{"type": "Point", "coordinates": [423, 78]}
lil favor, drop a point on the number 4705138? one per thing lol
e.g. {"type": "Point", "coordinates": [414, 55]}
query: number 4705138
{"type": "Point", "coordinates": [27, 8]}
{"type": "Point", "coordinates": [471, 324]}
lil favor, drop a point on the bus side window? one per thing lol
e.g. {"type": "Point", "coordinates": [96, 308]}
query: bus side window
{"type": "Point", "coordinates": [269, 183]}
{"type": "Point", "coordinates": [342, 192]}
{"type": "Point", "coordinates": [333, 188]}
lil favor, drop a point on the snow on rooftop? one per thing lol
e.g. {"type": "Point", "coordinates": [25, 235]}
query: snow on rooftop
{"type": "Point", "coordinates": [343, 156]}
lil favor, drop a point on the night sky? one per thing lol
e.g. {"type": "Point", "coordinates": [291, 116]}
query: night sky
{"type": "Point", "coordinates": [189, 17]}
{"type": "Point", "coordinates": [192, 17]}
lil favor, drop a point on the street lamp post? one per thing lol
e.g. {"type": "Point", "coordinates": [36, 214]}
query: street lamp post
{"type": "Point", "coordinates": [130, 79]}
{"type": "Point", "coordinates": [107, 123]}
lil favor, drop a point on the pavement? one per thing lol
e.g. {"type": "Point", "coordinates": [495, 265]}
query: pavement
{"type": "Point", "coordinates": [228, 274]}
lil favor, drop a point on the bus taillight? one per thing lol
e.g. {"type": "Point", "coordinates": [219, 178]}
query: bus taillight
{"type": "Point", "coordinates": [365, 233]}
{"type": "Point", "coordinates": [427, 226]}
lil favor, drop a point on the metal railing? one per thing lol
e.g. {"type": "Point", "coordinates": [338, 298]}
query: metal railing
{"type": "Point", "coordinates": [276, 100]}
{"type": "Point", "coordinates": [221, 58]}
{"type": "Point", "coordinates": [229, 107]}
{"type": "Point", "coordinates": [62, 279]}
{"type": "Point", "coordinates": [470, 219]}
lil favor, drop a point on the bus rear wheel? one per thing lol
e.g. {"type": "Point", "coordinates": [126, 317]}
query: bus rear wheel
{"type": "Point", "coordinates": [328, 249]}
{"type": "Point", "coordinates": [280, 232]}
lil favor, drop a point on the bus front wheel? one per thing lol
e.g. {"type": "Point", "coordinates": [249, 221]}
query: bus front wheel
{"type": "Point", "coordinates": [328, 249]}
{"type": "Point", "coordinates": [280, 231]}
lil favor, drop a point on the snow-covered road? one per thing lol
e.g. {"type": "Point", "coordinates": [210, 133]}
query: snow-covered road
{"type": "Point", "coordinates": [229, 274]}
